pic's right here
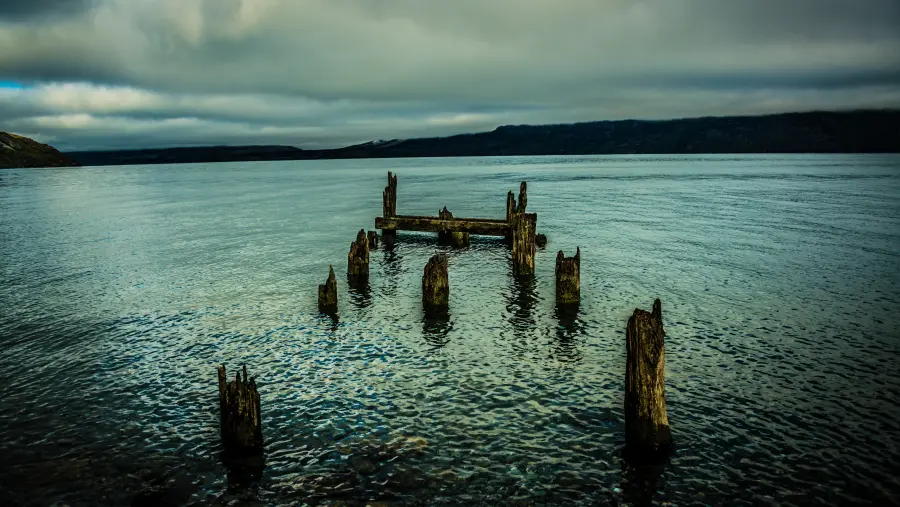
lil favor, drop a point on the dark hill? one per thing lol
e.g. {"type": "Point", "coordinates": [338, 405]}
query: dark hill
{"type": "Point", "coordinates": [18, 151]}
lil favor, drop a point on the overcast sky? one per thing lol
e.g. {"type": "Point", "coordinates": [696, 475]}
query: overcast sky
{"type": "Point", "coordinates": [97, 74]}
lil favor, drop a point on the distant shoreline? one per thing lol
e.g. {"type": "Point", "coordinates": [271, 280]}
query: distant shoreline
{"type": "Point", "coordinates": [812, 132]}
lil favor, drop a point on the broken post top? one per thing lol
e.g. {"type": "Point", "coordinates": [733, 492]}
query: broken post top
{"type": "Point", "coordinates": [240, 421]}
{"type": "Point", "coordinates": [523, 197]}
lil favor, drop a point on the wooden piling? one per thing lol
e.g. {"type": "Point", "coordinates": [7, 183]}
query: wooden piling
{"type": "Point", "coordinates": [373, 240]}
{"type": "Point", "coordinates": [510, 206]}
{"type": "Point", "coordinates": [240, 421]}
{"type": "Point", "coordinates": [358, 257]}
{"type": "Point", "coordinates": [646, 422]}
{"type": "Point", "coordinates": [540, 240]}
{"type": "Point", "coordinates": [455, 239]}
{"type": "Point", "coordinates": [328, 293]}
{"type": "Point", "coordinates": [523, 245]}
{"type": "Point", "coordinates": [435, 283]}
{"type": "Point", "coordinates": [568, 278]}
{"type": "Point", "coordinates": [389, 209]}
{"type": "Point", "coordinates": [523, 197]}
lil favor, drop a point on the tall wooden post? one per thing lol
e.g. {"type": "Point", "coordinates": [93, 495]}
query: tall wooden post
{"type": "Point", "coordinates": [523, 246]}
{"type": "Point", "coordinates": [358, 257]}
{"type": "Point", "coordinates": [568, 278]}
{"type": "Point", "coordinates": [646, 422]}
{"type": "Point", "coordinates": [389, 209]}
{"type": "Point", "coordinates": [523, 197]}
{"type": "Point", "coordinates": [328, 293]}
{"type": "Point", "coordinates": [510, 206]}
{"type": "Point", "coordinates": [435, 283]}
{"type": "Point", "coordinates": [240, 422]}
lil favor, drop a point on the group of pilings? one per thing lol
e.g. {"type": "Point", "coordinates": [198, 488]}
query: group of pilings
{"type": "Point", "coordinates": [647, 431]}
{"type": "Point", "coordinates": [646, 423]}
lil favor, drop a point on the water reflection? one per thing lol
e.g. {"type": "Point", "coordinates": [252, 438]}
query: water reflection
{"type": "Point", "coordinates": [244, 472]}
{"type": "Point", "coordinates": [640, 481]}
{"type": "Point", "coordinates": [392, 269]}
{"type": "Point", "coordinates": [436, 325]}
{"type": "Point", "coordinates": [570, 328]}
{"type": "Point", "coordinates": [360, 291]}
{"type": "Point", "coordinates": [331, 320]}
{"type": "Point", "coordinates": [520, 302]}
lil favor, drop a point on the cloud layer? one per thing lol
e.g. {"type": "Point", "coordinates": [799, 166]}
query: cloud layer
{"type": "Point", "coordinates": [319, 73]}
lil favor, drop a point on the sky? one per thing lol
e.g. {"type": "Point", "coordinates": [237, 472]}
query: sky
{"type": "Point", "coordinates": [120, 74]}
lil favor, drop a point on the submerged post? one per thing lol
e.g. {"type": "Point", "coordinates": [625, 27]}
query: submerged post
{"type": "Point", "coordinates": [453, 238]}
{"type": "Point", "coordinates": [240, 422]}
{"type": "Point", "coordinates": [646, 422]}
{"type": "Point", "coordinates": [523, 242]}
{"type": "Point", "coordinates": [389, 208]}
{"type": "Point", "coordinates": [373, 240]}
{"type": "Point", "coordinates": [328, 293]}
{"type": "Point", "coordinates": [358, 257]}
{"type": "Point", "coordinates": [568, 278]}
{"type": "Point", "coordinates": [435, 283]}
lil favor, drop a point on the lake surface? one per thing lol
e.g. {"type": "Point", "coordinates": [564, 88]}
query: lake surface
{"type": "Point", "coordinates": [122, 288]}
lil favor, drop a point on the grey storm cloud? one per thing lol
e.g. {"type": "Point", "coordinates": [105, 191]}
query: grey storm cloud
{"type": "Point", "coordinates": [312, 73]}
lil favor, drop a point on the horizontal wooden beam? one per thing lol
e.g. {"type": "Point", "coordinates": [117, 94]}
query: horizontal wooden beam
{"type": "Point", "coordinates": [482, 226]}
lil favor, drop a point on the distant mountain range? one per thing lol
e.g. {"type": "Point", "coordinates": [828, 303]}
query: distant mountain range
{"type": "Point", "coordinates": [18, 151]}
{"type": "Point", "coordinates": [813, 132]}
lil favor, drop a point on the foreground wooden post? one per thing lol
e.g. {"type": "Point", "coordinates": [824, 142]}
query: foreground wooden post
{"type": "Point", "coordinates": [240, 422]}
{"type": "Point", "coordinates": [358, 257]}
{"type": "Point", "coordinates": [646, 423]}
{"type": "Point", "coordinates": [435, 283]}
{"type": "Point", "coordinates": [523, 242]}
{"type": "Point", "coordinates": [328, 293]}
{"type": "Point", "coordinates": [373, 240]}
{"type": "Point", "coordinates": [453, 238]}
{"type": "Point", "coordinates": [389, 209]}
{"type": "Point", "coordinates": [568, 278]}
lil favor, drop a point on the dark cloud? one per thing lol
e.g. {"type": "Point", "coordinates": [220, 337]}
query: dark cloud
{"type": "Point", "coordinates": [331, 71]}
{"type": "Point", "coordinates": [24, 10]}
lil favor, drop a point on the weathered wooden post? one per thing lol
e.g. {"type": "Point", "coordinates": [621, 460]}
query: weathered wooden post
{"type": "Point", "coordinates": [523, 247]}
{"type": "Point", "coordinates": [358, 257]}
{"type": "Point", "coordinates": [540, 240]}
{"type": "Point", "coordinates": [452, 238]}
{"type": "Point", "coordinates": [568, 278]}
{"type": "Point", "coordinates": [373, 240]}
{"type": "Point", "coordinates": [435, 284]}
{"type": "Point", "coordinates": [389, 209]}
{"type": "Point", "coordinates": [510, 205]}
{"type": "Point", "coordinates": [240, 422]}
{"type": "Point", "coordinates": [646, 423]}
{"type": "Point", "coordinates": [328, 293]}
{"type": "Point", "coordinates": [523, 197]}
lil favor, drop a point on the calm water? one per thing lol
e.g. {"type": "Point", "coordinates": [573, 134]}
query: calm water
{"type": "Point", "coordinates": [121, 288]}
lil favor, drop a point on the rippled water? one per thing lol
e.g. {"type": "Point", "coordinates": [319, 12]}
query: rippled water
{"type": "Point", "coordinates": [123, 287]}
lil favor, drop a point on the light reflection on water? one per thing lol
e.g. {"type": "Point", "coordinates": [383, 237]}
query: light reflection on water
{"type": "Point", "coordinates": [123, 287]}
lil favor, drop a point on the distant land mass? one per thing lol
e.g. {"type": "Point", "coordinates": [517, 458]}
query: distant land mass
{"type": "Point", "coordinates": [870, 131]}
{"type": "Point", "coordinates": [18, 151]}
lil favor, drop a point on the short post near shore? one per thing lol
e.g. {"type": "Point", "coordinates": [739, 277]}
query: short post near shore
{"type": "Point", "coordinates": [240, 423]}
{"type": "Point", "coordinates": [358, 257]}
{"type": "Point", "coordinates": [435, 284]}
{"type": "Point", "coordinates": [568, 278]}
{"type": "Point", "coordinates": [328, 293]}
{"type": "Point", "coordinates": [646, 423]}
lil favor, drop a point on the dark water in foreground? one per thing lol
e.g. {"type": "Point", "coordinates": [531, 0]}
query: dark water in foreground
{"type": "Point", "coordinates": [121, 288]}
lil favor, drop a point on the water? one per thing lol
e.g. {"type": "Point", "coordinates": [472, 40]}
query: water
{"type": "Point", "coordinates": [123, 287]}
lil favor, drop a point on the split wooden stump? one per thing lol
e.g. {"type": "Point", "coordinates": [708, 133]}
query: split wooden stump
{"type": "Point", "coordinates": [646, 423]}
{"type": "Point", "coordinates": [240, 422]}
{"type": "Point", "coordinates": [435, 284]}
{"type": "Point", "coordinates": [328, 293]}
{"type": "Point", "coordinates": [358, 257]}
{"type": "Point", "coordinates": [568, 278]}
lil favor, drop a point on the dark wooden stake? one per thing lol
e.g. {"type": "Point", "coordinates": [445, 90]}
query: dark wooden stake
{"type": "Point", "coordinates": [523, 246]}
{"type": "Point", "coordinates": [389, 209]}
{"type": "Point", "coordinates": [523, 197]}
{"type": "Point", "coordinates": [646, 423]}
{"type": "Point", "coordinates": [373, 240]}
{"type": "Point", "coordinates": [540, 240]}
{"type": "Point", "coordinates": [241, 424]}
{"type": "Point", "coordinates": [328, 293]}
{"type": "Point", "coordinates": [510, 206]}
{"type": "Point", "coordinates": [435, 283]}
{"type": "Point", "coordinates": [455, 239]}
{"type": "Point", "coordinates": [358, 257]}
{"type": "Point", "coordinates": [568, 278]}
